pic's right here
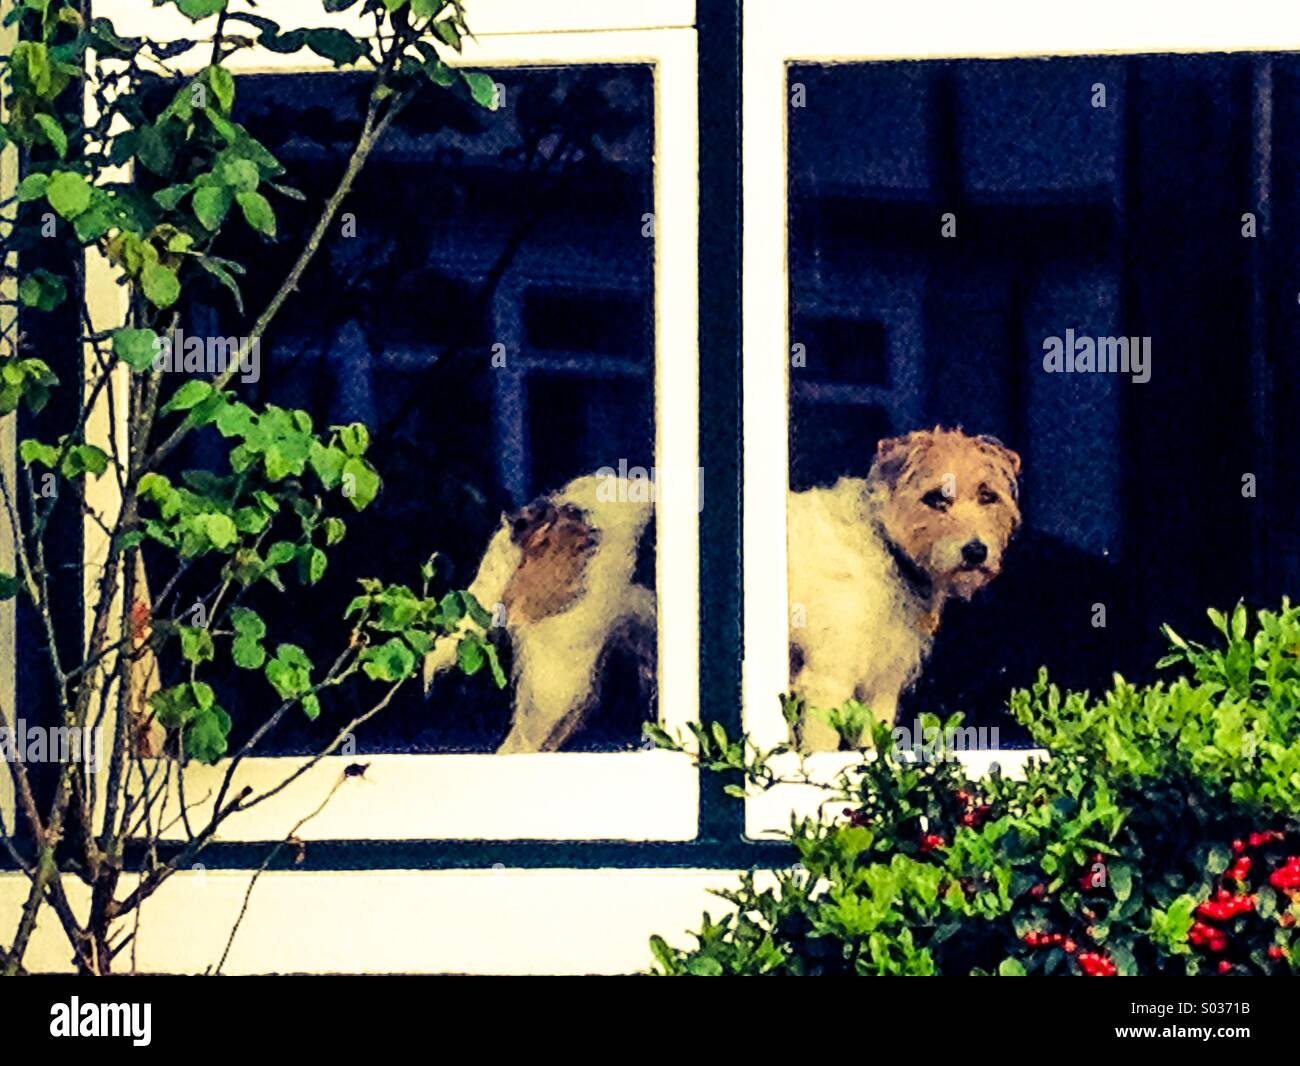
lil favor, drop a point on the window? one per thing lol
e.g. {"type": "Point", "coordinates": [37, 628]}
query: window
{"type": "Point", "coordinates": [589, 295]}
{"type": "Point", "coordinates": [914, 242]}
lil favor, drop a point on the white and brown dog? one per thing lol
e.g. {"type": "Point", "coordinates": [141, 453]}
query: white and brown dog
{"type": "Point", "coordinates": [872, 562]}
{"type": "Point", "coordinates": [560, 576]}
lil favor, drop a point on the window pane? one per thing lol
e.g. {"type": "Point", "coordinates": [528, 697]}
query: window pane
{"type": "Point", "coordinates": [950, 221]}
{"type": "Point", "coordinates": [485, 306]}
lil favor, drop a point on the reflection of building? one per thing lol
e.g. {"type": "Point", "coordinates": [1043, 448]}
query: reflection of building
{"type": "Point", "coordinates": [538, 210]}
{"type": "Point", "coordinates": [1103, 195]}
{"type": "Point", "coordinates": [952, 324]}
{"type": "Point", "coordinates": [489, 314]}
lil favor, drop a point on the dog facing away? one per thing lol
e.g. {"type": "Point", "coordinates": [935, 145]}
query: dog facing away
{"type": "Point", "coordinates": [872, 562]}
{"type": "Point", "coordinates": [560, 575]}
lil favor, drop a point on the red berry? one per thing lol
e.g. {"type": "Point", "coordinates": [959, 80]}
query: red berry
{"type": "Point", "coordinates": [1038, 891]}
{"type": "Point", "coordinates": [1225, 967]}
{"type": "Point", "coordinates": [1276, 953]}
{"type": "Point", "coordinates": [1238, 846]}
{"type": "Point", "coordinates": [1070, 947]}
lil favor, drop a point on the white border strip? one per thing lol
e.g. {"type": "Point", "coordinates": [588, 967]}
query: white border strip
{"type": "Point", "coordinates": [139, 18]}
{"type": "Point", "coordinates": [374, 922]}
{"type": "Point", "coordinates": [933, 29]}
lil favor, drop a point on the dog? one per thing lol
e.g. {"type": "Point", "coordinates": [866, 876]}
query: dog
{"type": "Point", "coordinates": [560, 577]}
{"type": "Point", "coordinates": [872, 562]}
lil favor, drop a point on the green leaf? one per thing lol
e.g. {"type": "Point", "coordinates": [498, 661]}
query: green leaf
{"type": "Point", "coordinates": [223, 87]}
{"type": "Point", "coordinates": [197, 10]}
{"type": "Point", "coordinates": [196, 644]}
{"type": "Point", "coordinates": [390, 661]}
{"type": "Point", "coordinates": [258, 212]}
{"type": "Point", "coordinates": [236, 420]}
{"type": "Point", "coordinates": [206, 738]}
{"type": "Point", "coordinates": [84, 458]}
{"type": "Point", "coordinates": [328, 464]}
{"type": "Point", "coordinates": [240, 174]}
{"type": "Point", "coordinates": [53, 133]}
{"type": "Point", "coordinates": [221, 531]}
{"type": "Point", "coordinates": [290, 671]}
{"type": "Point", "coordinates": [704, 966]}
{"type": "Point", "coordinates": [248, 623]}
{"type": "Point", "coordinates": [171, 196]}
{"type": "Point", "coordinates": [338, 46]}
{"type": "Point", "coordinates": [334, 531]}
{"type": "Point", "coordinates": [33, 451]}
{"type": "Point", "coordinates": [247, 653]}
{"type": "Point", "coordinates": [312, 565]}
{"type": "Point", "coordinates": [470, 655]}
{"type": "Point", "coordinates": [160, 285]}
{"type": "Point", "coordinates": [447, 31]}
{"type": "Point", "coordinates": [280, 553]}
{"type": "Point", "coordinates": [482, 88]}
{"type": "Point", "coordinates": [217, 268]}
{"type": "Point", "coordinates": [494, 664]}
{"type": "Point", "coordinates": [354, 439]}
{"type": "Point", "coordinates": [135, 347]}
{"type": "Point", "coordinates": [10, 586]}
{"type": "Point", "coordinates": [1011, 968]}
{"type": "Point", "coordinates": [33, 187]}
{"type": "Point", "coordinates": [360, 483]}
{"type": "Point", "coordinates": [155, 150]}
{"type": "Point", "coordinates": [42, 290]}
{"type": "Point", "coordinates": [68, 193]}
{"type": "Point", "coordinates": [188, 395]}
{"type": "Point", "coordinates": [210, 206]}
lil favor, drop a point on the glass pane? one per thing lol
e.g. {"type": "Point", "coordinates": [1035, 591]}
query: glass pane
{"type": "Point", "coordinates": [952, 225]}
{"type": "Point", "coordinates": [485, 305]}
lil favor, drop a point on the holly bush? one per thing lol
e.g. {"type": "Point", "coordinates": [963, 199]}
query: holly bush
{"type": "Point", "coordinates": [1160, 835]}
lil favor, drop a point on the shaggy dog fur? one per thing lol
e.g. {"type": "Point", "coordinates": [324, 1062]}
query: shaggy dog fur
{"type": "Point", "coordinates": [559, 576]}
{"type": "Point", "coordinates": [872, 562]}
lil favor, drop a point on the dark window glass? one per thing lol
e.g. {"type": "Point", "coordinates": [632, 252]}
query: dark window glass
{"type": "Point", "coordinates": [1122, 220]}
{"type": "Point", "coordinates": [515, 233]}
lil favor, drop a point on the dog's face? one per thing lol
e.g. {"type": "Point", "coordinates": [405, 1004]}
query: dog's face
{"type": "Point", "coordinates": [949, 502]}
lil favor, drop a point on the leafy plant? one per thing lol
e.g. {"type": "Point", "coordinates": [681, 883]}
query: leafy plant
{"type": "Point", "coordinates": [82, 103]}
{"type": "Point", "coordinates": [1160, 836]}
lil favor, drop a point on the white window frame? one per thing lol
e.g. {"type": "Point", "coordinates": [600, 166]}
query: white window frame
{"type": "Point", "coordinates": [632, 796]}
{"type": "Point", "coordinates": [829, 31]}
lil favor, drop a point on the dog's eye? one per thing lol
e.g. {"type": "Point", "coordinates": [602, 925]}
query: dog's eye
{"type": "Point", "coordinates": [935, 498]}
{"type": "Point", "coordinates": [988, 496]}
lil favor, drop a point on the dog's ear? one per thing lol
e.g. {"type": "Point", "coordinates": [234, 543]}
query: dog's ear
{"type": "Point", "coordinates": [892, 454]}
{"type": "Point", "coordinates": [531, 519]}
{"type": "Point", "coordinates": [1012, 459]}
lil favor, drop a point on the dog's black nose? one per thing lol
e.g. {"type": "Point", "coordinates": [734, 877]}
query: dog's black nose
{"type": "Point", "coordinates": [974, 552]}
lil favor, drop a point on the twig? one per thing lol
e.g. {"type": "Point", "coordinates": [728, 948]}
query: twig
{"type": "Point", "coordinates": [290, 839]}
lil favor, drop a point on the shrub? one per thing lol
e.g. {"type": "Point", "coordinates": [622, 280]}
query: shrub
{"type": "Point", "coordinates": [1161, 836]}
